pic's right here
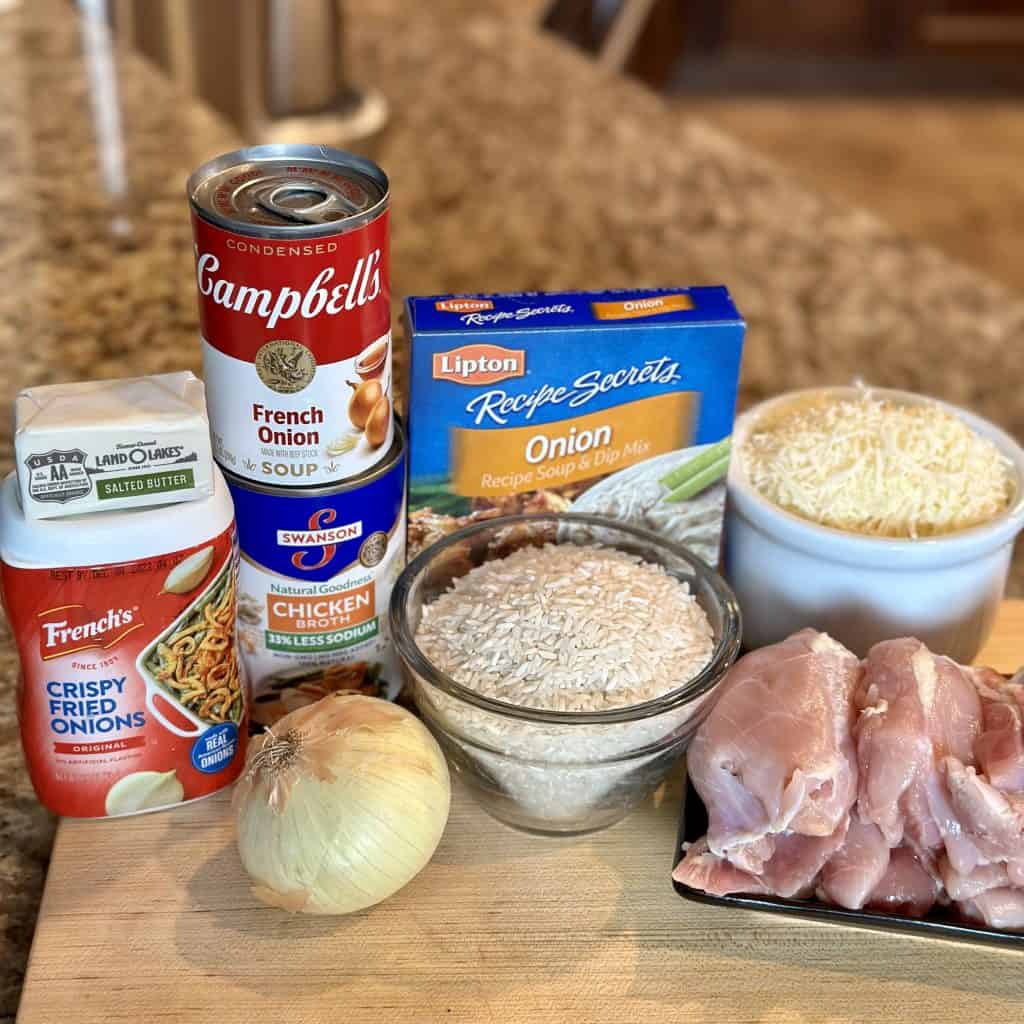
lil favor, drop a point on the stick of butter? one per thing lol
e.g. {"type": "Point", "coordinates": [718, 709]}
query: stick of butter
{"type": "Point", "coordinates": [110, 444]}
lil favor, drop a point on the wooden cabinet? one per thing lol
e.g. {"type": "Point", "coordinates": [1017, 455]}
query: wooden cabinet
{"type": "Point", "coordinates": [877, 26]}
{"type": "Point", "coordinates": [733, 44]}
{"type": "Point", "coordinates": [870, 27]}
{"type": "Point", "coordinates": [973, 28]}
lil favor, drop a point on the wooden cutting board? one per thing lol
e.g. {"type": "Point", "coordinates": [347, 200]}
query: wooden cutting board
{"type": "Point", "coordinates": [150, 919]}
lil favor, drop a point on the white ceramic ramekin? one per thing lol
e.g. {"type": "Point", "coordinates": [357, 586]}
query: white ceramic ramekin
{"type": "Point", "coordinates": [788, 573]}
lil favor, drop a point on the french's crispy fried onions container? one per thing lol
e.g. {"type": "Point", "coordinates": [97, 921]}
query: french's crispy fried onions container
{"type": "Point", "coordinates": [131, 696]}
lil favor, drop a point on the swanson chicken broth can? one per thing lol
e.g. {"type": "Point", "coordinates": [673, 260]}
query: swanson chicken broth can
{"type": "Point", "coordinates": [316, 572]}
{"type": "Point", "coordinates": [131, 696]}
{"type": "Point", "coordinates": [291, 248]}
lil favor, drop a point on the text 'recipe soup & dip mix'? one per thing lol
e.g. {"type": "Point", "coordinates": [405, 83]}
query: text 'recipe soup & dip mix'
{"type": "Point", "coordinates": [619, 403]}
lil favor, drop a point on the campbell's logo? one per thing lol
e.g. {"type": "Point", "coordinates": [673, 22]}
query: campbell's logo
{"type": "Point", "coordinates": [462, 305]}
{"type": "Point", "coordinates": [331, 294]}
{"type": "Point", "coordinates": [74, 627]}
{"type": "Point", "coordinates": [479, 364]}
{"type": "Point", "coordinates": [321, 534]}
{"type": "Point", "coordinates": [324, 294]}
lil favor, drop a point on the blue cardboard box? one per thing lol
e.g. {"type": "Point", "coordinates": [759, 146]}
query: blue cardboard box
{"type": "Point", "coordinates": [573, 400]}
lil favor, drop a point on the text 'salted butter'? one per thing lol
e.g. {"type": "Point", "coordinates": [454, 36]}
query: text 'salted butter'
{"type": "Point", "coordinates": [580, 401]}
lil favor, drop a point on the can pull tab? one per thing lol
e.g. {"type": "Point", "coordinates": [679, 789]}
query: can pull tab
{"type": "Point", "coordinates": [305, 203]}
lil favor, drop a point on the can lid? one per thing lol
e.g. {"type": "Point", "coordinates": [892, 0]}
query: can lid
{"type": "Point", "coordinates": [102, 538]}
{"type": "Point", "coordinates": [289, 191]}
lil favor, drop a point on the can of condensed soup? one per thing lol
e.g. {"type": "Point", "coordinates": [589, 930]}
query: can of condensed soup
{"type": "Point", "coordinates": [291, 248]}
{"type": "Point", "coordinates": [316, 572]}
{"type": "Point", "coordinates": [131, 696]}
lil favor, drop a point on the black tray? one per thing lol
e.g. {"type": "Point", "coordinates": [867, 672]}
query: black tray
{"type": "Point", "coordinates": [939, 924]}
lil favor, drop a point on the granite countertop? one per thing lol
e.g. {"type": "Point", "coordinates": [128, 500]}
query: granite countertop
{"type": "Point", "coordinates": [515, 164]}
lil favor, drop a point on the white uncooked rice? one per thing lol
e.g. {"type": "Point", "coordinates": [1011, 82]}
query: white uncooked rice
{"type": "Point", "coordinates": [565, 628]}
{"type": "Point", "coordinates": [568, 628]}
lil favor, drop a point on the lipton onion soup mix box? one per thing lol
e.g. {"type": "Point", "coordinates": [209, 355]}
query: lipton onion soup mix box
{"type": "Point", "coordinates": [618, 403]}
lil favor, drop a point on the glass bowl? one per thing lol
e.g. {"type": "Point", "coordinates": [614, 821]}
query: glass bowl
{"type": "Point", "coordinates": [557, 772]}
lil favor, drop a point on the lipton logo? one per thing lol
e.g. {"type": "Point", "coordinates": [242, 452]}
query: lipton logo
{"type": "Point", "coordinates": [74, 627]}
{"type": "Point", "coordinates": [462, 305]}
{"type": "Point", "coordinates": [479, 364]}
{"type": "Point", "coordinates": [321, 534]}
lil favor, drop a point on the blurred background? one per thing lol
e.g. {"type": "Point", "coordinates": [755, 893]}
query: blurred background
{"type": "Point", "coordinates": [907, 105]}
{"type": "Point", "coordinates": [850, 168]}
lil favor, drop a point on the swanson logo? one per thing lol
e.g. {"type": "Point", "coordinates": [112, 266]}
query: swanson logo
{"type": "Point", "coordinates": [462, 305]}
{"type": "Point", "coordinates": [479, 364]}
{"type": "Point", "coordinates": [73, 627]}
{"type": "Point", "coordinates": [321, 534]}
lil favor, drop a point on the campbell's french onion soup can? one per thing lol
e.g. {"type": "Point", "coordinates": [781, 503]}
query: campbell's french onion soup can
{"type": "Point", "coordinates": [315, 577]}
{"type": "Point", "coordinates": [291, 249]}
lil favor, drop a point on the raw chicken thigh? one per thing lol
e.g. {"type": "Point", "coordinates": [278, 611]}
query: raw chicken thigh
{"type": "Point", "coordinates": [992, 822]}
{"type": "Point", "coordinates": [915, 708]}
{"type": "Point", "coordinates": [896, 784]}
{"type": "Point", "coordinates": [776, 754]}
{"type": "Point", "coordinates": [1000, 747]}
{"type": "Point", "coordinates": [778, 784]}
{"type": "Point", "coordinates": [858, 866]}
{"type": "Point", "coordinates": [997, 908]}
{"type": "Point", "coordinates": [966, 887]}
{"type": "Point", "coordinates": [703, 869]}
{"type": "Point", "coordinates": [906, 887]}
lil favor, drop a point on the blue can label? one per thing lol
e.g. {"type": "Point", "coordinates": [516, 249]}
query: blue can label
{"type": "Point", "coordinates": [314, 584]}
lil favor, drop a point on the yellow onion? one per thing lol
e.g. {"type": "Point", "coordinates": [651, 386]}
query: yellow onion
{"type": "Point", "coordinates": [341, 804]}
{"type": "Point", "coordinates": [377, 422]}
{"type": "Point", "coordinates": [362, 401]}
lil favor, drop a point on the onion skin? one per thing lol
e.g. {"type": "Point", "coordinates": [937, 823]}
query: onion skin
{"type": "Point", "coordinates": [377, 423]}
{"type": "Point", "coordinates": [342, 803]}
{"type": "Point", "coordinates": [363, 401]}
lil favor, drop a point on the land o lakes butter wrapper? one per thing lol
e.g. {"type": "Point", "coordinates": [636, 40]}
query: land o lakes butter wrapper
{"type": "Point", "coordinates": [598, 402]}
{"type": "Point", "coordinates": [112, 444]}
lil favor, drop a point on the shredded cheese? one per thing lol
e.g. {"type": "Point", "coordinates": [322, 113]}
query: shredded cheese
{"type": "Point", "coordinates": [868, 465]}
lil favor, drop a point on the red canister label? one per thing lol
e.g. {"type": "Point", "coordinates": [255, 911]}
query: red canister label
{"type": "Point", "coordinates": [130, 696]}
{"type": "Point", "coordinates": [296, 351]}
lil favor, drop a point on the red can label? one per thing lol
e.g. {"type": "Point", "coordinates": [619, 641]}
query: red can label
{"type": "Point", "coordinates": [130, 696]}
{"type": "Point", "coordinates": [296, 351]}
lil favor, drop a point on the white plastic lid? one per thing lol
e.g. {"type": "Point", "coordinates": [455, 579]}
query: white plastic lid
{"type": "Point", "coordinates": [99, 538]}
